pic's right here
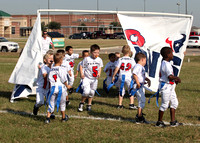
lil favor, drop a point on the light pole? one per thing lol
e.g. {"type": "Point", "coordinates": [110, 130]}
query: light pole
{"type": "Point", "coordinates": [178, 4]}
{"type": "Point", "coordinates": [144, 5]}
{"type": "Point", "coordinates": [185, 6]}
{"type": "Point", "coordinates": [48, 16]}
{"type": "Point", "coordinates": [97, 14]}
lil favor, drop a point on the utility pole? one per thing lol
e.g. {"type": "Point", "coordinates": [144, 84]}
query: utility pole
{"type": "Point", "coordinates": [97, 15]}
{"type": "Point", "coordinates": [178, 4]}
{"type": "Point", "coordinates": [48, 16]}
{"type": "Point", "coordinates": [186, 7]}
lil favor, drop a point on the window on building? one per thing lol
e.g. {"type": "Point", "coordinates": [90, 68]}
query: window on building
{"type": "Point", "coordinates": [13, 30]}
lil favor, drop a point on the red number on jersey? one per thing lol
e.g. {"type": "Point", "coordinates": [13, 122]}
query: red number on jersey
{"type": "Point", "coordinates": [122, 66]}
{"type": "Point", "coordinates": [55, 77]}
{"type": "Point", "coordinates": [128, 66]}
{"type": "Point", "coordinates": [71, 64]}
{"type": "Point", "coordinates": [95, 72]}
{"type": "Point", "coordinates": [110, 72]}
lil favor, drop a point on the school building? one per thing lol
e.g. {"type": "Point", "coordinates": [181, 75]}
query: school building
{"type": "Point", "coordinates": [21, 25]}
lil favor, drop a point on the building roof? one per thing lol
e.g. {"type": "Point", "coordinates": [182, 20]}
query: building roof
{"type": "Point", "coordinates": [4, 14]}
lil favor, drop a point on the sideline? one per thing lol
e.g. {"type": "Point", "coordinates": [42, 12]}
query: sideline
{"type": "Point", "coordinates": [92, 118]}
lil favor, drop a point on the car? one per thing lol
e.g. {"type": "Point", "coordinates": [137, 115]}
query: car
{"type": "Point", "coordinates": [86, 35]}
{"type": "Point", "coordinates": [120, 35]}
{"type": "Point", "coordinates": [6, 46]}
{"type": "Point", "coordinates": [194, 41]}
{"type": "Point", "coordinates": [76, 36]}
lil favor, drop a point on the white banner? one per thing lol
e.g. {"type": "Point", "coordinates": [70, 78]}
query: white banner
{"type": "Point", "coordinates": [25, 72]}
{"type": "Point", "coordinates": [148, 34]}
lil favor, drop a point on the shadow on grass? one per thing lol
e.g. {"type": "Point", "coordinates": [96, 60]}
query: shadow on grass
{"type": "Point", "coordinates": [5, 94]}
{"type": "Point", "coordinates": [26, 114]}
{"type": "Point", "coordinates": [197, 117]}
{"type": "Point", "coordinates": [109, 116]}
{"type": "Point", "coordinates": [103, 103]}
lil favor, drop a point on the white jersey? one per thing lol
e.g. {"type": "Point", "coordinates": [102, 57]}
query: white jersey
{"type": "Point", "coordinates": [57, 76]}
{"type": "Point", "coordinates": [139, 70]}
{"type": "Point", "coordinates": [125, 64]}
{"type": "Point", "coordinates": [70, 60]}
{"type": "Point", "coordinates": [41, 82]}
{"type": "Point", "coordinates": [78, 66]}
{"type": "Point", "coordinates": [66, 65]}
{"type": "Point", "coordinates": [110, 67]}
{"type": "Point", "coordinates": [91, 67]}
{"type": "Point", "coordinates": [45, 44]}
{"type": "Point", "coordinates": [165, 71]}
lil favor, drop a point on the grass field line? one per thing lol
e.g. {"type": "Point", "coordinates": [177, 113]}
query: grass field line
{"type": "Point", "coordinates": [90, 117]}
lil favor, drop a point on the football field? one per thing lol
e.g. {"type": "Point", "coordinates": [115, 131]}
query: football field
{"type": "Point", "coordinates": [105, 123]}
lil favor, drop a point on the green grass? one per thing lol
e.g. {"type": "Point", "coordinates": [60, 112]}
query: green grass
{"type": "Point", "coordinates": [28, 128]}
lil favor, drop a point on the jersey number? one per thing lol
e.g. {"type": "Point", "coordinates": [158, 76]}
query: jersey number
{"type": "Point", "coordinates": [55, 77]}
{"type": "Point", "coordinates": [71, 64]}
{"type": "Point", "coordinates": [128, 66]}
{"type": "Point", "coordinates": [95, 72]}
{"type": "Point", "coordinates": [111, 72]}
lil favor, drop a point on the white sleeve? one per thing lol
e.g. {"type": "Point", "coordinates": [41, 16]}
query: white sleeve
{"type": "Point", "coordinates": [101, 63]}
{"type": "Point", "coordinates": [133, 63]}
{"type": "Point", "coordinates": [75, 56]}
{"type": "Point", "coordinates": [63, 74]}
{"type": "Point", "coordinates": [106, 67]}
{"type": "Point", "coordinates": [44, 69]}
{"type": "Point", "coordinates": [83, 64]}
{"type": "Point", "coordinates": [167, 70]}
{"type": "Point", "coordinates": [78, 67]}
{"type": "Point", "coordinates": [136, 70]}
{"type": "Point", "coordinates": [118, 63]}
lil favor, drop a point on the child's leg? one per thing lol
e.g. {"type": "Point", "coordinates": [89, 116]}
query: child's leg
{"type": "Point", "coordinates": [40, 93]}
{"type": "Point", "coordinates": [51, 106]}
{"type": "Point", "coordinates": [67, 98]}
{"type": "Point", "coordinates": [173, 104]}
{"type": "Point", "coordinates": [90, 100]}
{"type": "Point", "coordinates": [63, 114]}
{"type": "Point", "coordinates": [131, 99]}
{"type": "Point", "coordinates": [141, 100]}
{"type": "Point", "coordinates": [165, 97]}
{"type": "Point", "coordinates": [160, 115]}
{"type": "Point", "coordinates": [120, 100]}
{"type": "Point", "coordinates": [83, 99]}
{"type": "Point", "coordinates": [139, 112]}
{"type": "Point", "coordinates": [93, 87]}
{"type": "Point", "coordinates": [48, 114]}
{"type": "Point", "coordinates": [172, 114]}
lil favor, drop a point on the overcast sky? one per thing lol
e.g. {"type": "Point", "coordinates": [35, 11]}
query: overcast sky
{"type": "Point", "coordinates": [170, 6]}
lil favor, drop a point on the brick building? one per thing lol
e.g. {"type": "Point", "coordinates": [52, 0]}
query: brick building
{"type": "Point", "coordinates": [21, 25]}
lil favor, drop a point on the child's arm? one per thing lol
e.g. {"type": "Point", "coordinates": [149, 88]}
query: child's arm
{"type": "Point", "coordinates": [148, 81]}
{"type": "Point", "coordinates": [136, 80]}
{"type": "Point", "coordinates": [68, 86]}
{"type": "Point", "coordinates": [99, 73]}
{"type": "Point", "coordinates": [175, 78]}
{"type": "Point", "coordinates": [114, 74]}
{"type": "Point", "coordinates": [76, 74]}
{"type": "Point", "coordinates": [81, 72]}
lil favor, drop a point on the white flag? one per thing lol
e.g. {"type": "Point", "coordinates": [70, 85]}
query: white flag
{"type": "Point", "coordinates": [25, 72]}
{"type": "Point", "coordinates": [150, 33]}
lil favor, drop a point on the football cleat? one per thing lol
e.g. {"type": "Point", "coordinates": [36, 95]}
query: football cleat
{"type": "Point", "coordinates": [80, 108]}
